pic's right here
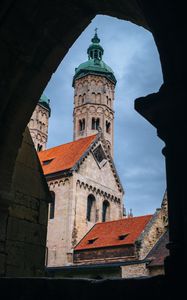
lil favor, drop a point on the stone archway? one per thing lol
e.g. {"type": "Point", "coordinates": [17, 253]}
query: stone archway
{"type": "Point", "coordinates": [34, 39]}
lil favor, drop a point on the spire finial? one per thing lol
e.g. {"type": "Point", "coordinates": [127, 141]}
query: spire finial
{"type": "Point", "coordinates": [95, 39]}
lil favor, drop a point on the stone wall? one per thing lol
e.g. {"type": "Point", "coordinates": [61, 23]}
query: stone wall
{"type": "Point", "coordinates": [24, 223]}
{"type": "Point", "coordinates": [60, 228]}
{"type": "Point", "coordinates": [109, 254]}
{"type": "Point", "coordinates": [156, 270]}
{"type": "Point", "coordinates": [134, 270]}
{"type": "Point", "coordinates": [153, 231]}
{"type": "Point", "coordinates": [38, 126]}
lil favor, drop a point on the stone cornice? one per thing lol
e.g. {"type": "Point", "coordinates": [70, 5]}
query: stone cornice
{"type": "Point", "coordinates": [99, 191]}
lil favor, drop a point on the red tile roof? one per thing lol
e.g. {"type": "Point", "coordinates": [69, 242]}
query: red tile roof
{"type": "Point", "coordinates": [65, 156]}
{"type": "Point", "coordinates": [108, 234]}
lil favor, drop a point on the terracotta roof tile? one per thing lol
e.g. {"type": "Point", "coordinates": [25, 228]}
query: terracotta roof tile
{"type": "Point", "coordinates": [65, 156]}
{"type": "Point", "coordinates": [111, 233]}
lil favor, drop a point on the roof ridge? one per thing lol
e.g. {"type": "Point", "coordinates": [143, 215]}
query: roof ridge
{"type": "Point", "coordinates": [136, 217]}
{"type": "Point", "coordinates": [55, 147]}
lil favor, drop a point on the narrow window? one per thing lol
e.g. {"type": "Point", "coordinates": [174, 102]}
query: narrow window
{"type": "Point", "coordinates": [80, 125]}
{"type": "Point", "coordinates": [83, 124]}
{"type": "Point", "coordinates": [105, 213]}
{"type": "Point", "coordinates": [39, 148]}
{"type": "Point", "coordinates": [91, 211]}
{"type": "Point", "coordinates": [95, 54]}
{"type": "Point", "coordinates": [108, 127]}
{"type": "Point", "coordinates": [97, 123]}
{"type": "Point", "coordinates": [94, 97]}
{"type": "Point", "coordinates": [84, 98]}
{"type": "Point", "coordinates": [107, 100]}
{"type": "Point", "coordinates": [52, 206]}
{"type": "Point", "coordinates": [93, 123]}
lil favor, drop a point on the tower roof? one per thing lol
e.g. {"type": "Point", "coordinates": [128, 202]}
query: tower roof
{"type": "Point", "coordinates": [94, 65]}
{"type": "Point", "coordinates": [45, 102]}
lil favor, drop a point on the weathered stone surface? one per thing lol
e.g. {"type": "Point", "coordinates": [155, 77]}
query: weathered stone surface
{"type": "Point", "coordinates": [134, 270]}
{"type": "Point", "coordinates": [26, 231]}
{"type": "Point", "coordinates": [24, 225]}
{"type": "Point", "coordinates": [38, 126]}
{"type": "Point", "coordinates": [20, 253]}
{"type": "Point", "coordinates": [3, 225]}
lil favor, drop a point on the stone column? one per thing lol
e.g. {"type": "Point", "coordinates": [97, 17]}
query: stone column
{"type": "Point", "coordinates": [165, 111]}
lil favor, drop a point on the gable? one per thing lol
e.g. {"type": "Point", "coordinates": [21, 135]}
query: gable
{"type": "Point", "coordinates": [64, 157]}
{"type": "Point", "coordinates": [97, 166]}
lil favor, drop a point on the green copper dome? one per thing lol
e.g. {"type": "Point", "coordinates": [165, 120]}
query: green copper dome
{"type": "Point", "coordinates": [45, 102]}
{"type": "Point", "coordinates": [94, 65]}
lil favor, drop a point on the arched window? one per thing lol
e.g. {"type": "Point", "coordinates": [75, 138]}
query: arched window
{"type": "Point", "coordinates": [91, 208]}
{"type": "Point", "coordinates": [93, 123]}
{"type": "Point", "coordinates": [95, 54]}
{"type": "Point", "coordinates": [97, 123]}
{"type": "Point", "coordinates": [83, 124]}
{"type": "Point", "coordinates": [106, 211]}
{"type": "Point", "coordinates": [80, 125]}
{"type": "Point", "coordinates": [107, 100]}
{"type": "Point", "coordinates": [93, 97]}
{"type": "Point", "coordinates": [39, 147]}
{"type": "Point", "coordinates": [84, 98]}
{"type": "Point", "coordinates": [52, 206]}
{"type": "Point", "coordinates": [108, 125]}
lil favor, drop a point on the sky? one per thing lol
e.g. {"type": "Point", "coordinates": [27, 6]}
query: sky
{"type": "Point", "coordinates": [131, 52]}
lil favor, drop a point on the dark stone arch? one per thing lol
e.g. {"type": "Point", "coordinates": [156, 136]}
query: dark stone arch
{"type": "Point", "coordinates": [28, 60]}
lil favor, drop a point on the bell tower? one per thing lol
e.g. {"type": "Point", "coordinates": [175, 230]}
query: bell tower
{"type": "Point", "coordinates": [94, 84]}
{"type": "Point", "coordinates": [38, 124]}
